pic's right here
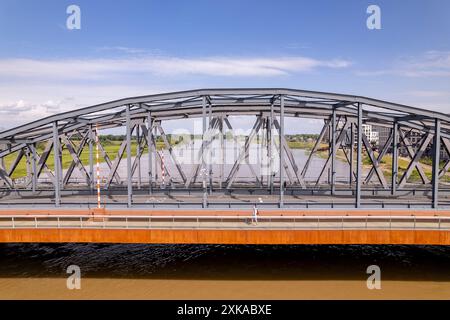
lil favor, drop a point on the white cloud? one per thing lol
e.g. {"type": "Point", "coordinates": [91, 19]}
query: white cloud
{"type": "Point", "coordinates": [96, 69]}
{"type": "Point", "coordinates": [430, 64]}
{"type": "Point", "coordinates": [22, 103]}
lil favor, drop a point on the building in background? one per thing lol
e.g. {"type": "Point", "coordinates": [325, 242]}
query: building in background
{"type": "Point", "coordinates": [379, 135]}
{"type": "Point", "coordinates": [371, 134]}
{"type": "Point", "coordinates": [383, 136]}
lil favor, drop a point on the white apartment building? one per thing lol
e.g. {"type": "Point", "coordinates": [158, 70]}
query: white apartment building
{"type": "Point", "coordinates": [371, 134]}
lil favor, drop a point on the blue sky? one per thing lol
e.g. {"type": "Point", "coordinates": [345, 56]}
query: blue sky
{"type": "Point", "coordinates": [127, 48]}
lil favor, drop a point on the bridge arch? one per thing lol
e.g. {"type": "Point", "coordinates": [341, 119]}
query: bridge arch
{"type": "Point", "coordinates": [42, 143]}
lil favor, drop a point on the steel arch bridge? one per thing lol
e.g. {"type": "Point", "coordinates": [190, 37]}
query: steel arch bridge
{"type": "Point", "coordinates": [282, 183]}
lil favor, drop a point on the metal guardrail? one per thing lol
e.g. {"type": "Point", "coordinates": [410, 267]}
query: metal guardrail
{"type": "Point", "coordinates": [233, 205]}
{"type": "Point", "coordinates": [225, 222]}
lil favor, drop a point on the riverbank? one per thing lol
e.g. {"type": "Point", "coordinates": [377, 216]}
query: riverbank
{"type": "Point", "coordinates": [385, 165]}
{"type": "Point", "coordinates": [94, 288]}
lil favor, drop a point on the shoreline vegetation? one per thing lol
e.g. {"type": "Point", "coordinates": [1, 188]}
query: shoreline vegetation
{"type": "Point", "coordinates": [111, 145]}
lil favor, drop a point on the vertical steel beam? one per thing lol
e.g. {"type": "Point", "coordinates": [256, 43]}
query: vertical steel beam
{"type": "Point", "coordinates": [56, 164]}
{"type": "Point", "coordinates": [394, 158]}
{"type": "Point", "coordinates": [258, 150]}
{"type": "Point", "coordinates": [270, 146]}
{"type": "Point", "coordinates": [155, 139]}
{"type": "Point", "coordinates": [352, 153]}
{"type": "Point", "coordinates": [223, 152]}
{"type": "Point", "coordinates": [150, 152]}
{"type": "Point", "coordinates": [262, 150]}
{"type": "Point", "coordinates": [330, 130]}
{"type": "Point", "coordinates": [359, 158]}
{"type": "Point", "coordinates": [333, 152]}
{"type": "Point", "coordinates": [203, 170]}
{"type": "Point", "coordinates": [60, 164]}
{"type": "Point", "coordinates": [210, 175]}
{"type": "Point", "coordinates": [281, 203]}
{"type": "Point", "coordinates": [436, 161]}
{"type": "Point", "coordinates": [91, 157]}
{"type": "Point", "coordinates": [34, 168]}
{"type": "Point", "coordinates": [129, 177]}
{"type": "Point", "coordinates": [138, 155]}
{"type": "Point", "coordinates": [28, 162]}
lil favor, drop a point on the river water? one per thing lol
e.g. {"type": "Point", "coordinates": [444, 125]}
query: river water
{"type": "Point", "coordinates": [114, 271]}
{"type": "Point", "coordinates": [187, 155]}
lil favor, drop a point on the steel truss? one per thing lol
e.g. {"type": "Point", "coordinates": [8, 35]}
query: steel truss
{"type": "Point", "coordinates": [142, 117]}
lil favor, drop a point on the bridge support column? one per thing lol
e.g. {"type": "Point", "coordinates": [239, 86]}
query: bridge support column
{"type": "Point", "coordinates": [352, 154]}
{"type": "Point", "coordinates": [56, 164]}
{"type": "Point", "coordinates": [129, 177]}
{"type": "Point", "coordinates": [394, 159]}
{"type": "Point", "coordinates": [359, 158]}
{"type": "Point", "coordinates": [270, 146]}
{"type": "Point", "coordinates": [157, 165]}
{"type": "Point", "coordinates": [138, 155]}
{"type": "Point", "coordinates": [258, 150]}
{"type": "Point", "coordinates": [150, 152]}
{"type": "Point", "coordinates": [281, 153]}
{"type": "Point", "coordinates": [436, 161]}
{"type": "Point", "coordinates": [210, 171]}
{"type": "Point", "coordinates": [33, 167]}
{"type": "Point", "coordinates": [330, 129]}
{"type": "Point", "coordinates": [204, 170]}
{"type": "Point", "coordinates": [91, 157]}
{"type": "Point", "coordinates": [223, 152]}
{"type": "Point", "coordinates": [333, 152]}
{"type": "Point", "coordinates": [28, 165]}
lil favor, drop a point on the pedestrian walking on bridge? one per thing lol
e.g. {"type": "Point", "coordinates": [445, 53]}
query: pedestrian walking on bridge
{"type": "Point", "coordinates": [255, 214]}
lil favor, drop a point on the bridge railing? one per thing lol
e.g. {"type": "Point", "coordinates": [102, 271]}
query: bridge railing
{"type": "Point", "coordinates": [225, 222]}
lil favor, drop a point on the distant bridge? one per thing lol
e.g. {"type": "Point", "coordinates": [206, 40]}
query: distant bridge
{"type": "Point", "coordinates": [411, 202]}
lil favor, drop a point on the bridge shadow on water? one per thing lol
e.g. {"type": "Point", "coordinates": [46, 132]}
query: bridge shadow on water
{"type": "Point", "coordinates": [225, 262]}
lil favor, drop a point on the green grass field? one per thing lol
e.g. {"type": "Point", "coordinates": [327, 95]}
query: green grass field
{"type": "Point", "coordinates": [111, 148]}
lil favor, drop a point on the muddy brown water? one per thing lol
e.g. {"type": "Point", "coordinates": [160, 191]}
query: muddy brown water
{"type": "Point", "coordinates": [123, 271]}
